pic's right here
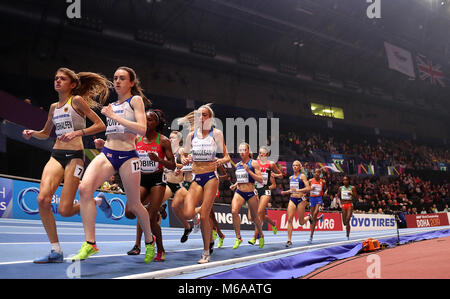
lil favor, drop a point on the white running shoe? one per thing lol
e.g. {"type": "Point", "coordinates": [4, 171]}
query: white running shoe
{"type": "Point", "coordinates": [205, 257]}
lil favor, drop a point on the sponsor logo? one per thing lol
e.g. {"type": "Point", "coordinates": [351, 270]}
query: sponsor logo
{"type": "Point", "coordinates": [23, 201]}
{"type": "Point", "coordinates": [121, 210]}
{"type": "Point", "coordinates": [6, 191]}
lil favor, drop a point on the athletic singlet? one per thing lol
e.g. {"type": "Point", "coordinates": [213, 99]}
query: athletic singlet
{"type": "Point", "coordinates": [265, 172]}
{"type": "Point", "coordinates": [316, 188]}
{"type": "Point", "coordinates": [346, 193]}
{"type": "Point", "coordinates": [123, 110]}
{"type": "Point", "coordinates": [296, 182]}
{"type": "Point", "coordinates": [204, 149]}
{"type": "Point", "coordinates": [67, 120]}
{"type": "Point", "coordinates": [143, 148]}
{"type": "Point", "coordinates": [242, 176]}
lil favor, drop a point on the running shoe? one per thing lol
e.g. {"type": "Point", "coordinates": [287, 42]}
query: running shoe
{"type": "Point", "coordinates": [150, 251]}
{"type": "Point", "coordinates": [274, 229]}
{"type": "Point", "coordinates": [261, 242]}
{"type": "Point", "coordinates": [52, 257]}
{"type": "Point", "coordinates": [205, 257]}
{"type": "Point", "coordinates": [196, 223]}
{"type": "Point", "coordinates": [252, 241]}
{"type": "Point", "coordinates": [288, 244]}
{"type": "Point", "coordinates": [309, 240]}
{"type": "Point", "coordinates": [321, 218]}
{"type": "Point", "coordinates": [136, 250]}
{"type": "Point", "coordinates": [160, 257]}
{"type": "Point", "coordinates": [214, 235]}
{"type": "Point", "coordinates": [86, 251]}
{"type": "Point", "coordinates": [104, 205]}
{"type": "Point", "coordinates": [237, 243]}
{"type": "Point", "coordinates": [186, 233]}
{"type": "Point", "coordinates": [220, 241]}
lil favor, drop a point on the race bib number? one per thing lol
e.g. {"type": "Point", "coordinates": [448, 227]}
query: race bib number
{"type": "Point", "coordinates": [63, 123]}
{"type": "Point", "coordinates": [112, 126]}
{"type": "Point", "coordinates": [346, 195]}
{"type": "Point", "coordinates": [316, 189]}
{"type": "Point", "coordinates": [147, 164]}
{"type": "Point", "coordinates": [295, 185]}
{"type": "Point", "coordinates": [241, 176]}
{"type": "Point", "coordinates": [78, 171]}
{"type": "Point", "coordinates": [135, 166]}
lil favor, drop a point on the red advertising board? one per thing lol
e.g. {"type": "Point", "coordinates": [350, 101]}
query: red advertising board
{"type": "Point", "coordinates": [426, 220]}
{"type": "Point", "coordinates": [331, 221]}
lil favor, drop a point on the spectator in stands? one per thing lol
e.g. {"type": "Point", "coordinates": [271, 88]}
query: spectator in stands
{"type": "Point", "coordinates": [334, 202]}
{"type": "Point", "coordinates": [113, 184]}
{"type": "Point", "coordinates": [434, 208]}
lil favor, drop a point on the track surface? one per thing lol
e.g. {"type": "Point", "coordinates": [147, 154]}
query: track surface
{"type": "Point", "coordinates": [23, 240]}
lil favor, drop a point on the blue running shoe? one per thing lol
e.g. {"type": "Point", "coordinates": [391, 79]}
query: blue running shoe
{"type": "Point", "coordinates": [105, 206]}
{"type": "Point", "coordinates": [52, 257]}
{"type": "Point", "coordinates": [321, 218]}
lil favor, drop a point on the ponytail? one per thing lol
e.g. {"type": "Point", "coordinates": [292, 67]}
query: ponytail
{"type": "Point", "coordinates": [92, 87]}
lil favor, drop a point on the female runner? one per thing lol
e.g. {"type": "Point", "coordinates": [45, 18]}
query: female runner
{"type": "Point", "coordinates": [76, 98]}
{"type": "Point", "coordinates": [204, 142]}
{"type": "Point", "coordinates": [299, 186]}
{"type": "Point", "coordinates": [125, 119]}
{"type": "Point", "coordinates": [155, 152]}
{"type": "Point", "coordinates": [269, 171]}
{"type": "Point", "coordinates": [318, 188]}
{"type": "Point", "coordinates": [247, 172]}
{"type": "Point", "coordinates": [347, 193]}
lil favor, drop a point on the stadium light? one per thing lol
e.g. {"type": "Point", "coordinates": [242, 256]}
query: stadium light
{"type": "Point", "coordinates": [87, 23]}
{"type": "Point", "coordinates": [203, 48]}
{"type": "Point", "coordinates": [150, 37]}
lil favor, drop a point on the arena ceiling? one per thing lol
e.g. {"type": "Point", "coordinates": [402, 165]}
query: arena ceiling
{"type": "Point", "coordinates": [328, 39]}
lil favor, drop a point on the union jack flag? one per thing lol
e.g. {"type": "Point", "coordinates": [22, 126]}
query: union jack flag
{"type": "Point", "coordinates": [429, 71]}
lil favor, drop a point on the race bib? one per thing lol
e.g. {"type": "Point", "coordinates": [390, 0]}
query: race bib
{"type": "Point", "coordinates": [241, 176]}
{"type": "Point", "coordinates": [295, 185]}
{"type": "Point", "coordinates": [147, 164]}
{"type": "Point", "coordinates": [346, 195]}
{"type": "Point", "coordinates": [316, 189]}
{"type": "Point", "coordinates": [112, 126]}
{"type": "Point", "coordinates": [78, 171]}
{"type": "Point", "coordinates": [63, 123]}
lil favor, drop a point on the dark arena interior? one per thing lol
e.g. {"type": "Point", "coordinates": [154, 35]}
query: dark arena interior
{"type": "Point", "coordinates": [356, 90]}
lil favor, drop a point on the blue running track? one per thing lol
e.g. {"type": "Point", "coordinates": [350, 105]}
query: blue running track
{"type": "Point", "coordinates": [21, 241]}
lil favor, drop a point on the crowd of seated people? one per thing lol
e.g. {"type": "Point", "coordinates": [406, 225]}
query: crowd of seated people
{"type": "Point", "coordinates": [374, 150]}
{"type": "Point", "coordinates": [375, 194]}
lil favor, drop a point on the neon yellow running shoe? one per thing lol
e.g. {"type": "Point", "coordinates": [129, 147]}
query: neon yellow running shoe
{"type": "Point", "coordinates": [252, 241]}
{"type": "Point", "coordinates": [237, 243]}
{"type": "Point", "coordinates": [261, 242]}
{"type": "Point", "coordinates": [274, 229]}
{"type": "Point", "coordinates": [220, 241]}
{"type": "Point", "coordinates": [86, 251]}
{"type": "Point", "coordinates": [150, 251]}
{"type": "Point", "coordinates": [214, 235]}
